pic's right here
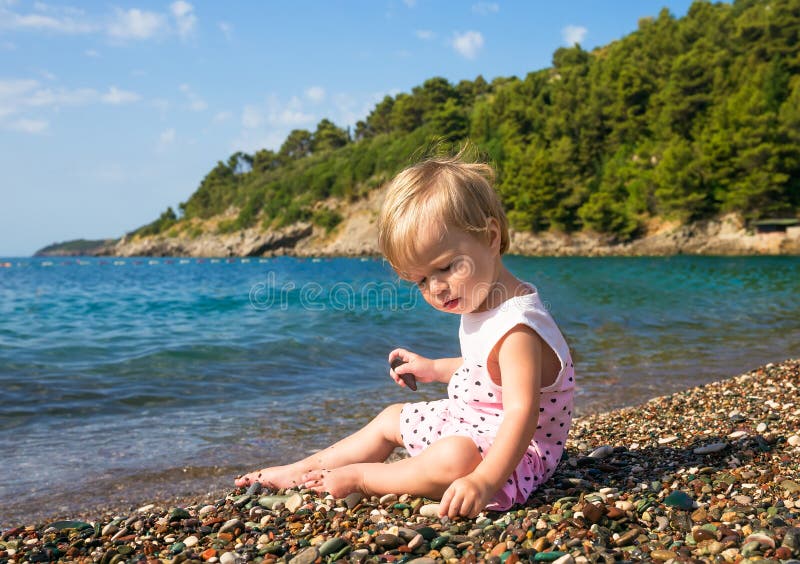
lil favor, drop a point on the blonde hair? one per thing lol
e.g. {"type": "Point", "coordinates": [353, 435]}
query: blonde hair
{"type": "Point", "coordinates": [442, 192]}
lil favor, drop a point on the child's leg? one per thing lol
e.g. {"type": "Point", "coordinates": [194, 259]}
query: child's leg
{"type": "Point", "coordinates": [428, 474]}
{"type": "Point", "coordinates": [372, 443]}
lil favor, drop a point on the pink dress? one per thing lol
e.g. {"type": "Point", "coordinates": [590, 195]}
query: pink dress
{"type": "Point", "coordinates": [474, 406]}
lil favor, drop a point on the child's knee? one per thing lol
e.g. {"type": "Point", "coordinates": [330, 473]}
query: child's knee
{"type": "Point", "coordinates": [459, 455]}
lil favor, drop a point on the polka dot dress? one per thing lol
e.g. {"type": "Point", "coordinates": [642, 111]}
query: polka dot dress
{"type": "Point", "coordinates": [474, 406]}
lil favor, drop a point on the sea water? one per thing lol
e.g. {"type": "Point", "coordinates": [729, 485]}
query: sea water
{"type": "Point", "coordinates": [125, 380]}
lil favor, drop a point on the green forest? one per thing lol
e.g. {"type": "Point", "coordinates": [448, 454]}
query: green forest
{"type": "Point", "coordinates": [683, 119]}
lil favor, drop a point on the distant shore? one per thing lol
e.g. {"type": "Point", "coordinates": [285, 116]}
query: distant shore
{"type": "Point", "coordinates": [708, 473]}
{"type": "Point", "coordinates": [357, 236]}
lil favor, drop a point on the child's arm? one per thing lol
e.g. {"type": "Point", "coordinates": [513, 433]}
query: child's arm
{"type": "Point", "coordinates": [519, 357]}
{"type": "Point", "coordinates": [423, 369]}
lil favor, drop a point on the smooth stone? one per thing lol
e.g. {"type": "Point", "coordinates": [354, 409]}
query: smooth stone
{"type": "Point", "coordinates": [205, 510]}
{"type": "Point", "coordinates": [663, 555]}
{"type": "Point", "coordinates": [627, 537]}
{"type": "Point", "coordinates": [761, 427]}
{"type": "Point", "coordinates": [427, 533]}
{"type": "Point", "coordinates": [231, 525]}
{"type": "Point", "coordinates": [227, 558]}
{"type": "Point", "coordinates": [177, 548]}
{"type": "Point", "coordinates": [353, 499]}
{"type": "Point", "coordinates": [679, 500]}
{"type": "Point", "coordinates": [701, 535]}
{"type": "Point", "coordinates": [794, 440]}
{"type": "Point", "coordinates": [178, 513]}
{"type": "Point", "coordinates": [242, 500]}
{"type": "Point", "coordinates": [548, 556]}
{"type": "Point", "coordinates": [254, 489]}
{"type": "Point", "coordinates": [667, 440]}
{"type": "Point", "coordinates": [439, 542]}
{"type": "Point", "coordinates": [429, 510]}
{"type": "Point", "coordinates": [387, 499]}
{"type": "Point", "coordinates": [146, 508]}
{"type": "Point", "coordinates": [737, 435]}
{"type": "Point", "coordinates": [405, 533]}
{"type": "Point", "coordinates": [332, 545]}
{"type": "Point", "coordinates": [109, 529]}
{"type": "Point", "coordinates": [743, 499]}
{"type": "Point", "coordinates": [61, 525]}
{"type": "Point", "coordinates": [710, 448]}
{"type": "Point", "coordinates": [424, 560]}
{"type": "Point", "coordinates": [566, 559]}
{"type": "Point", "coordinates": [602, 452]}
{"type": "Point", "coordinates": [416, 542]}
{"type": "Point", "coordinates": [306, 556]}
{"type": "Point", "coordinates": [293, 503]}
{"type": "Point", "coordinates": [388, 541]}
{"type": "Point", "coordinates": [191, 541]}
{"type": "Point", "coordinates": [624, 505]}
{"type": "Point", "coordinates": [269, 501]}
{"type": "Point", "coordinates": [592, 512]}
{"type": "Point", "coordinates": [761, 539]}
{"type": "Point", "coordinates": [447, 552]}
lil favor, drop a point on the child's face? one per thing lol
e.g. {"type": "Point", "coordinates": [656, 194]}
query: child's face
{"type": "Point", "coordinates": [456, 271]}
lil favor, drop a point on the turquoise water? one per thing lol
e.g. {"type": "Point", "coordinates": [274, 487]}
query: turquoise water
{"type": "Point", "coordinates": [124, 380]}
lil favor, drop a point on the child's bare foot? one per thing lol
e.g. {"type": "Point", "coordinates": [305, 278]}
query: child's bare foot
{"type": "Point", "coordinates": [276, 477]}
{"type": "Point", "coordinates": [338, 482]}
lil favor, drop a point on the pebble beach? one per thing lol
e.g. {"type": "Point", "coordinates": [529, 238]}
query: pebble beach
{"type": "Point", "coordinates": [710, 474]}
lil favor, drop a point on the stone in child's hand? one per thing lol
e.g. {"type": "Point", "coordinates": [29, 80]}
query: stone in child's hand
{"type": "Point", "coordinates": [409, 378]}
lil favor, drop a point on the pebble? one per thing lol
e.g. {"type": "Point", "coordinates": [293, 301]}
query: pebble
{"type": "Point", "coordinates": [227, 558]}
{"type": "Point", "coordinates": [605, 503]}
{"type": "Point", "coordinates": [293, 502]}
{"type": "Point", "coordinates": [429, 510]}
{"type": "Point", "coordinates": [710, 448]}
{"type": "Point", "coordinates": [602, 452]}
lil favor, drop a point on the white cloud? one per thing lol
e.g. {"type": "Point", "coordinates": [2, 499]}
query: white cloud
{"type": "Point", "coordinates": [316, 94]}
{"type": "Point", "coordinates": [29, 125]}
{"type": "Point", "coordinates": [91, 53]}
{"type": "Point", "coordinates": [410, 3]}
{"type": "Point", "coordinates": [290, 115]}
{"type": "Point", "coordinates": [166, 138]}
{"type": "Point", "coordinates": [56, 22]}
{"type": "Point", "coordinates": [468, 44]}
{"type": "Point", "coordinates": [196, 103]}
{"type": "Point", "coordinates": [136, 24]}
{"type": "Point", "coordinates": [573, 34]}
{"type": "Point", "coordinates": [115, 96]}
{"type": "Point", "coordinates": [226, 29]}
{"type": "Point", "coordinates": [20, 96]}
{"type": "Point", "coordinates": [222, 117]}
{"type": "Point", "coordinates": [485, 8]}
{"type": "Point", "coordinates": [252, 118]}
{"type": "Point", "coordinates": [183, 12]}
{"type": "Point", "coordinates": [425, 34]}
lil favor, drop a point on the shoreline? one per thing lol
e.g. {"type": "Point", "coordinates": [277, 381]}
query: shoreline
{"type": "Point", "coordinates": [616, 495]}
{"type": "Point", "coordinates": [357, 236]}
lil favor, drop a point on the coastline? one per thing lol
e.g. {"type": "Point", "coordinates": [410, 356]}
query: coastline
{"type": "Point", "coordinates": [710, 473]}
{"type": "Point", "coordinates": [357, 236]}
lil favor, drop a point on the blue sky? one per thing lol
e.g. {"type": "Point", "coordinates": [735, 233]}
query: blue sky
{"type": "Point", "coordinates": [112, 111]}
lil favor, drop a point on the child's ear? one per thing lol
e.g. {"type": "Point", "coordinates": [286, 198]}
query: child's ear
{"type": "Point", "coordinates": [493, 234]}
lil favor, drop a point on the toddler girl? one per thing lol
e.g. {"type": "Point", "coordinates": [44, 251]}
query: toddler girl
{"type": "Point", "coordinates": [501, 431]}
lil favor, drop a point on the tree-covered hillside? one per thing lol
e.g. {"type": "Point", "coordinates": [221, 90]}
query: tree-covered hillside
{"type": "Point", "coordinates": [682, 119]}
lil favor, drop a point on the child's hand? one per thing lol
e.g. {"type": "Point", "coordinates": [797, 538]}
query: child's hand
{"type": "Point", "coordinates": [466, 497]}
{"type": "Point", "coordinates": [405, 363]}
